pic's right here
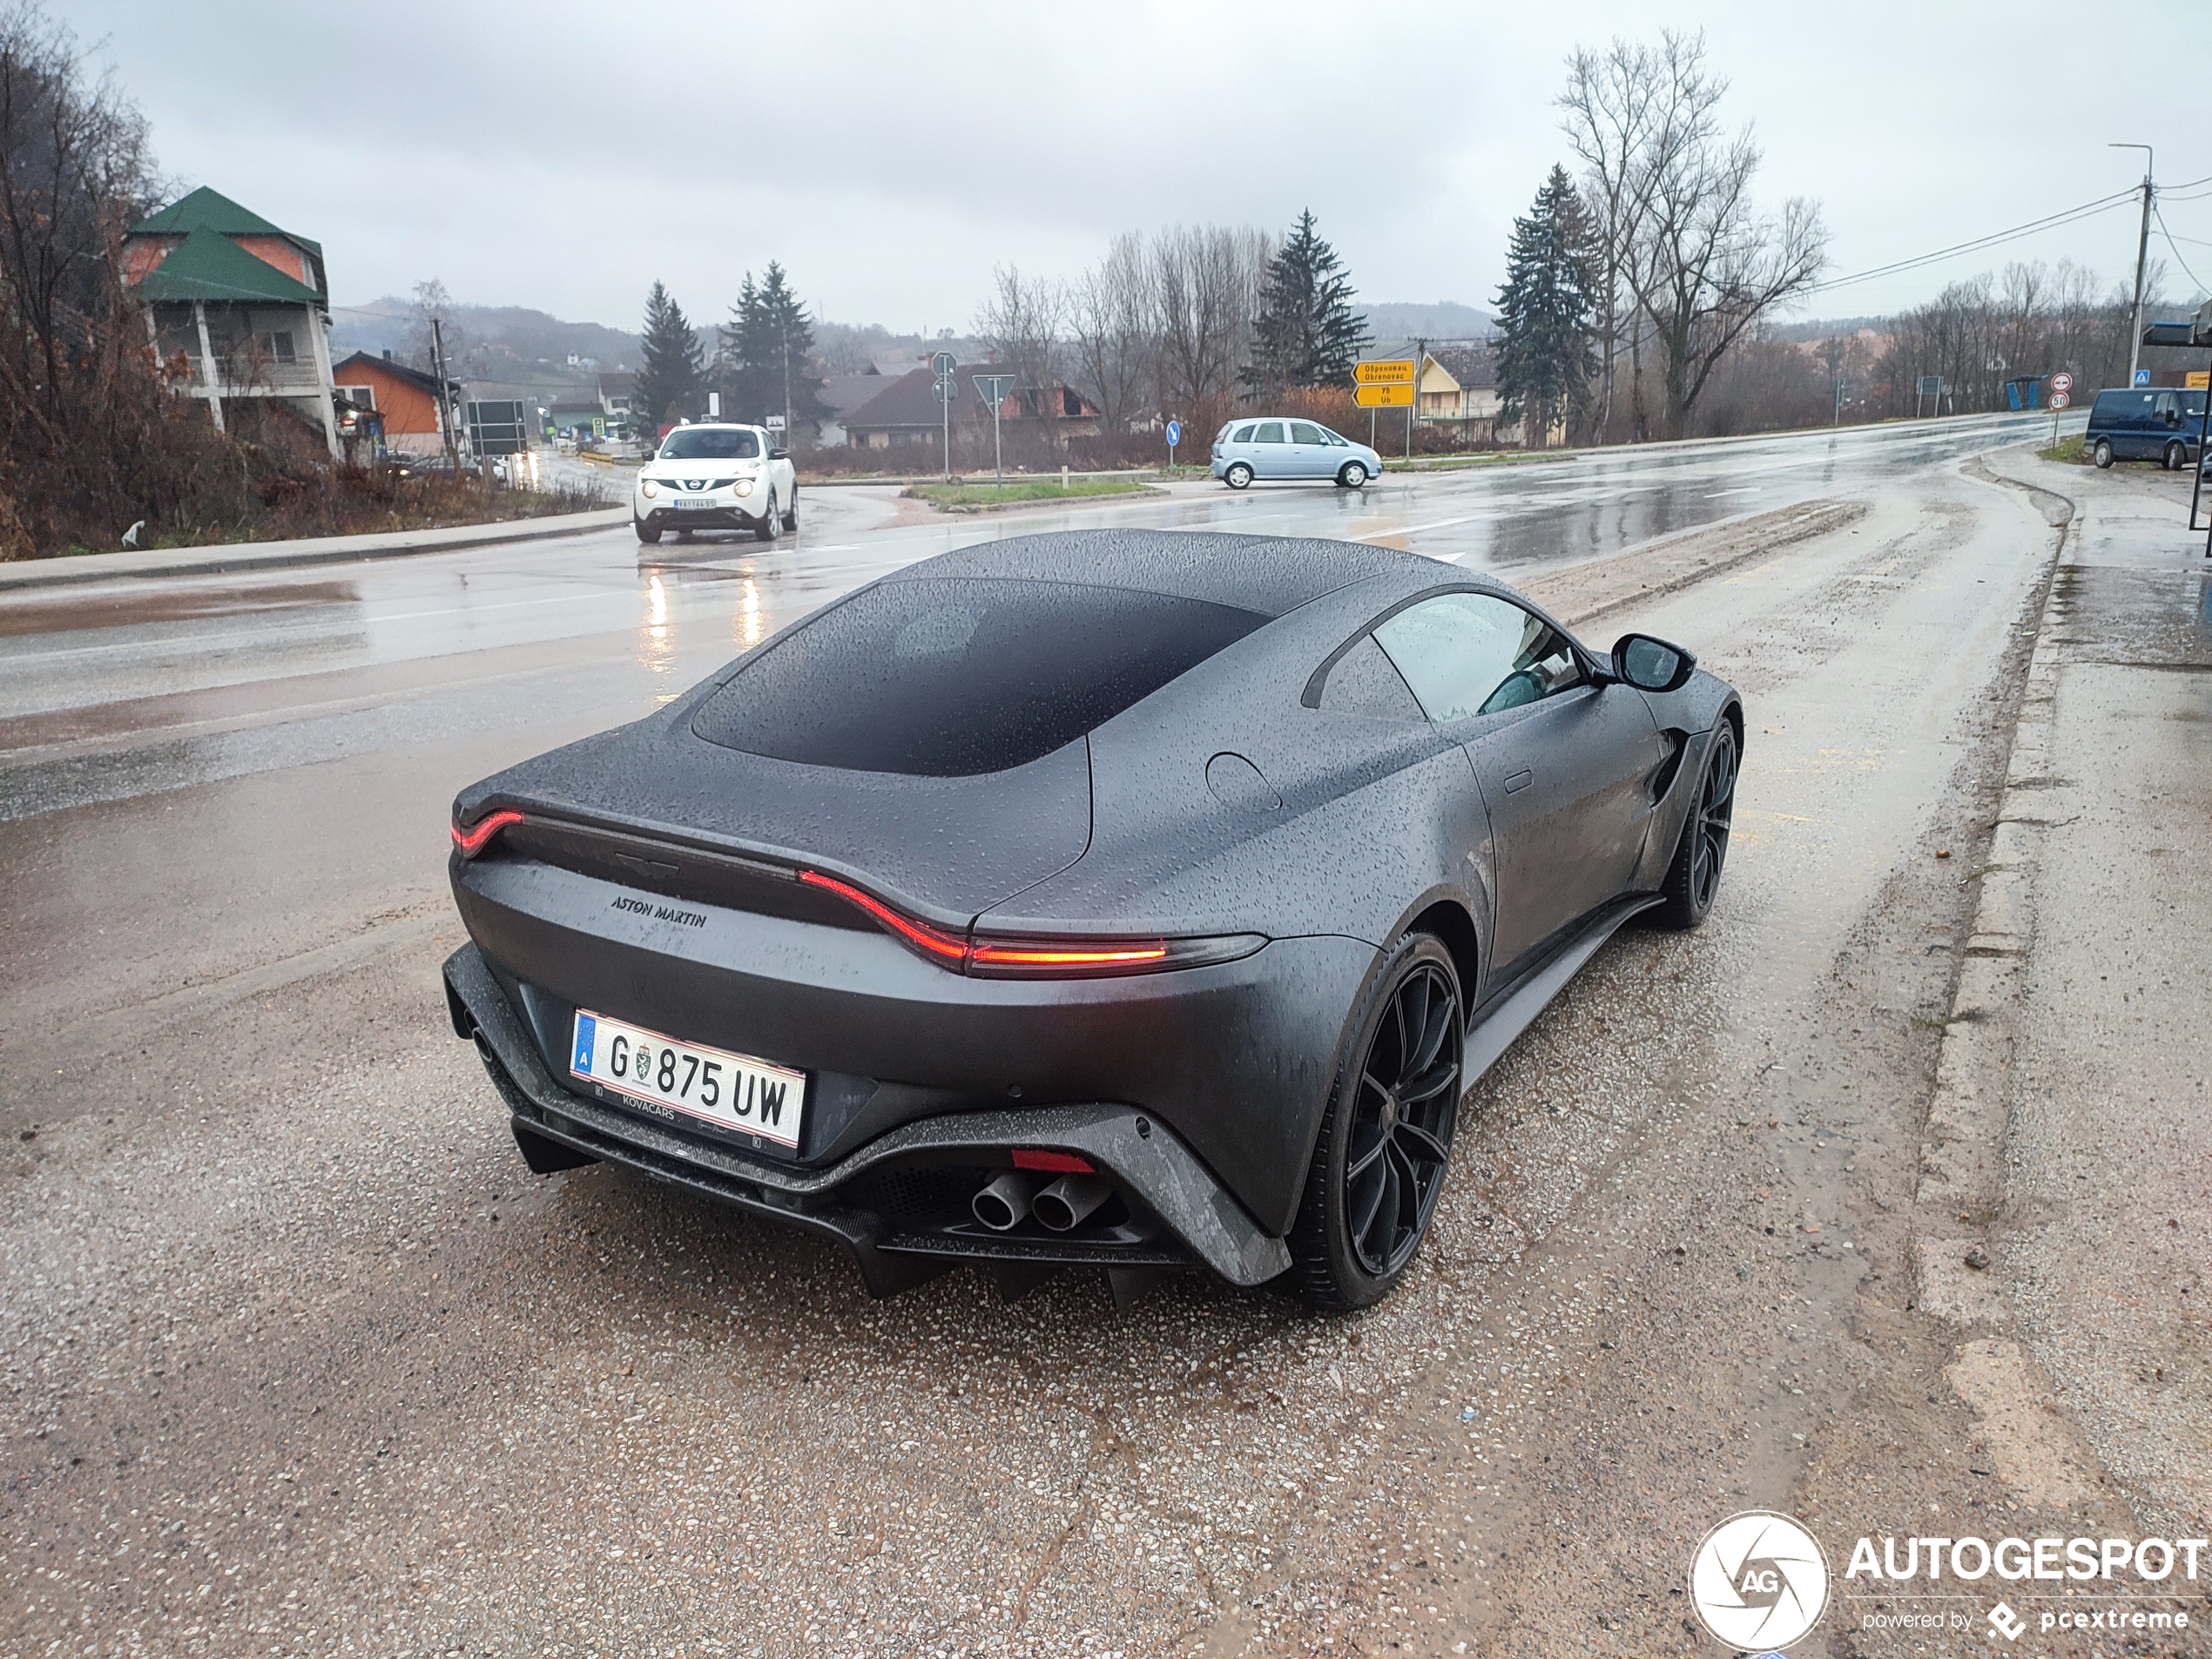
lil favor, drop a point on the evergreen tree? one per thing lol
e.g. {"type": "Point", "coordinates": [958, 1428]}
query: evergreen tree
{"type": "Point", "coordinates": [1307, 333]}
{"type": "Point", "coordinates": [769, 333]}
{"type": "Point", "coordinates": [670, 381]}
{"type": "Point", "coordinates": [1545, 359]}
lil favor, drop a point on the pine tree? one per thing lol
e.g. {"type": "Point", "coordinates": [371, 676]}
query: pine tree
{"type": "Point", "coordinates": [1307, 333]}
{"type": "Point", "coordinates": [670, 381]}
{"type": "Point", "coordinates": [1544, 352]}
{"type": "Point", "coordinates": [769, 330]}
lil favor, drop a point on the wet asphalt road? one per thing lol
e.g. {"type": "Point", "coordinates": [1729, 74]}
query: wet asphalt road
{"type": "Point", "coordinates": [302, 1361]}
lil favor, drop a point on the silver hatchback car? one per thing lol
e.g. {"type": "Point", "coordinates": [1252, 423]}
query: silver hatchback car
{"type": "Point", "coordinates": [1244, 450]}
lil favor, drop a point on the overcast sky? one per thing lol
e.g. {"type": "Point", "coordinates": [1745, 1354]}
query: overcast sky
{"type": "Point", "coordinates": [563, 156]}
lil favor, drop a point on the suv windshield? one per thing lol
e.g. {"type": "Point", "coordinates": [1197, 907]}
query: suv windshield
{"type": "Point", "coordinates": [710, 443]}
{"type": "Point", "coordinates": [949, 677]}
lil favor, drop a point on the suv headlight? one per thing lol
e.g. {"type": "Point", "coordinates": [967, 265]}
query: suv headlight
{"type": "Point", "coordinates": [744, 486]}
{"type": "Point", "coordinates": [648, 489]}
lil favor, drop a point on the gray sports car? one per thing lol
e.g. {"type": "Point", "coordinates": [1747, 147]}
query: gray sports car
{"type": "Point", "coordinates": [1135, 899]}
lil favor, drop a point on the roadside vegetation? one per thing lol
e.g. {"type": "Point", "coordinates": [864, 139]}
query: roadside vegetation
{"type": "Point", "coordinates": [976, 498]}
{"type": "Point", "coordinates": [2073, 451]}
{"type": "Point", "coordinates": [95, 444]}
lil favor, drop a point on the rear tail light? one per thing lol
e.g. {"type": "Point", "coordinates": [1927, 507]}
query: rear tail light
{"type": "Point", "coordinates": [473, 839]}
{"type": "Point", "coordinates": [987, 956]}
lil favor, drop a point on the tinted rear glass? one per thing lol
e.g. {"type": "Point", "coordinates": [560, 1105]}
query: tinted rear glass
{"type": "Point", "coordinates": [953, 676]}
{"type": "Point", "coordinates": [710, 443]}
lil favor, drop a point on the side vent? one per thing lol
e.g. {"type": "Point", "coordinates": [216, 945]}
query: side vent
{"type": "Point", "coordinates": [1663, 778]}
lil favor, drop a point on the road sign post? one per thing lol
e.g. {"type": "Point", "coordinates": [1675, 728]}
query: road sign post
{"type": "Point", "coordinates": [1175, 436]}
{"type": "Point", "coordinates": [2061, 395]}
{"type": "Point", "coordinates": [993, 388]}
{"type": "Point", "coordinates": [943, 363]}
{"type": "Point", "coordinates": [1385, 383]}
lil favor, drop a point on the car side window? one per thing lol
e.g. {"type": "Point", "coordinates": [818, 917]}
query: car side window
{"type": "Point", "coordinates": [1362, 682]}
{"type": "Point", "coordinates": [1465, 654]}
{"type": "Point", "coordinates": [1269, 432]}
{"type": "Point", "coordinates": [1306, 432]}
{"type": "Point", "coordinates": [1244, 435]}
{"type": "Point", "coordinates": [1328, 437]}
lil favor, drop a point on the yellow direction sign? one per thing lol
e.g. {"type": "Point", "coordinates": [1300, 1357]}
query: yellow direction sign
{"type": "Point", "coordinates": [1399, 371]}
{"type": "Point", "coordinates": [1384, 397]}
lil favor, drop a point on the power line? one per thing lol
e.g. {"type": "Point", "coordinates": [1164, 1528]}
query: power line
{"type": "Point", "coordinates": [2170, 243]}
{"type": "Point", "coordinates": [2086, 210]}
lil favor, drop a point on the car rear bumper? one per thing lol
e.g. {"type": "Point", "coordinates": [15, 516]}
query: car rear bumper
{"type": "Point", "coordinates": [1235, 1058]}
{"type": "Point", "coordinates": [894, 1202]}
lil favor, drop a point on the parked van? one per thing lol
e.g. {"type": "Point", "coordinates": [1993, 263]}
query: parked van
{"type": "Point", "coordinates": [2146, 423]}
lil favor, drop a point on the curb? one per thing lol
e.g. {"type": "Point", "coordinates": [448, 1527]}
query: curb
{"type": "Point", "coordinates": [238, 558]}
{"type": "Point", "coordinates": [1962, 1143]}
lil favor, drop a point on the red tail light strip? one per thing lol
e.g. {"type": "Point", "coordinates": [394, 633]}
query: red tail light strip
{"type": "Point", "coordinates": [931, 941]}
{"type": "Point", "coordinates": [472, 841]}
{"type": "Point", "coordinates": [963, 955]}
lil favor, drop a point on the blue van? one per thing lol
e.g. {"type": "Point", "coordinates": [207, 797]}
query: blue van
{"type": "Point", "coordinates": [2146, 423]}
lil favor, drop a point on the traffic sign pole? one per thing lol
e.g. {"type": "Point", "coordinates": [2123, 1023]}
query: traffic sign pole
{"type": "Point", "coordinates": [1175, 436]}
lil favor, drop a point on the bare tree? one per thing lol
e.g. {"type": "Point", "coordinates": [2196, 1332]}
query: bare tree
{"type": "Point", "coordinates": [1021, 327]}
{"type": "Point", "coordinates": [1207, 279]}
{"type": "Point", "coordinates": [1611, 110]}
{"type": "Point", "coordinates": [1114, 333]}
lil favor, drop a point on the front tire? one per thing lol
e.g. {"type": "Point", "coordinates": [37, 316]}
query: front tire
{"type": "Point", "coordinates": [646, 533]}
{"type": "Point", "coordinates": [770, 525]}
{"type": "Point", "coordinates": [2176, 457]}
{"type": "Point", "coordinates": [1694, 875]}
{"type": "Point", "coordinates": [1378, 1163]}
{"type": "Point", "coordinates": [2102, 453]}
{"type": "Point", "coordinates": [1239, 476]}
{"type": "Point", "coordinates": [790, 518]}
{"type": "Point", "coordinates": [1354, 476]}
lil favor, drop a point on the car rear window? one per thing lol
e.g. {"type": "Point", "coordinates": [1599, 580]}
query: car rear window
{"type": "Point", "coordinates": [710, 443]}
{"type": "Point", "coordinates": [949, 677]}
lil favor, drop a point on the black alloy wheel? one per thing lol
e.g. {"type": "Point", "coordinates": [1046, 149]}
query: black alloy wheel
{"type": "Point", "coordinates": [1387, 1138]}
{"type": "Point", "coordinates": [1694, 876]}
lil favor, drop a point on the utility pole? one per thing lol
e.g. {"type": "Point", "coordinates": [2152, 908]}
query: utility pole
{"type": "Point", "coordinates": [445, 403]}
{"type": "Point", "coordinates": [1420, 361]}
{"type": "Point", "coordinates": [2143, 254]}
{"type": "Point", "coordinates": [786, 333]}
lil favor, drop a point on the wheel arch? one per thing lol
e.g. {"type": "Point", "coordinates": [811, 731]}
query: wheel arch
{"type": "Point", "coordinates": [1448, 921]}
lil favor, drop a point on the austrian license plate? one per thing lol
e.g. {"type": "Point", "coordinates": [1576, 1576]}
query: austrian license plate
{"type": "Point", "coordinates": [733, 1090]}
{"type": "Point", "coordinates": [685, 504]}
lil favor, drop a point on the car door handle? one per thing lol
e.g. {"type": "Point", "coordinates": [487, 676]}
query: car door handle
{"type": "Point", "coordinates": [1519, 781]}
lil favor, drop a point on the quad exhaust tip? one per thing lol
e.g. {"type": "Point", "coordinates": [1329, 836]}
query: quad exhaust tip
{"type": "Point", "coordinates": [1004, 1204]}
{"type": "Point", "coordinates": [1068, 1201]}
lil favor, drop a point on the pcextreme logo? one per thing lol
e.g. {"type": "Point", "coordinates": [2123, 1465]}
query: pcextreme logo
{"type": "Point", "coordinates": [1759, 1581]}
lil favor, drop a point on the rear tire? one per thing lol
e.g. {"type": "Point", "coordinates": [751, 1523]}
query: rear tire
{"type": "Point", "coordinates": [2176, 457]}
{"type": "Point", "coordinates": [1386, 1139]}
{"type": "Point", "coordinates": [1354, 477]}
{"type": "Point", "coordinates": [1694, 874]}
{"type": "Point", "coordinates": [1239, 476]}
{"type": "Point", "coordinates": [770, 524]}
{"type": "Point", "coordinates": [2102, 453]}
{"type": "Point", "coordinates": [646, 533]}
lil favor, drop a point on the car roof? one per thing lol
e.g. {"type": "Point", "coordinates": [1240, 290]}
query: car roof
{"type": "Point", "coordinates": [1270, 574]}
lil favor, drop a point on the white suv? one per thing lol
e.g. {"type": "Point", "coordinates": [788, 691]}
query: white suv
{"type": "Point", "coordinates": [710, 476]}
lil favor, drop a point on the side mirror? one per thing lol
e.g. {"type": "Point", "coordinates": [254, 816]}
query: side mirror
{"type": "Point", "coordinates": [1651, 665]}
{"type": "Point", "coordinates": [779, 455]}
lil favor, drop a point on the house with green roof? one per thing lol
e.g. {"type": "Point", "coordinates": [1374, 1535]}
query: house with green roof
{"type": "Point", "coordinates": [244, 302]}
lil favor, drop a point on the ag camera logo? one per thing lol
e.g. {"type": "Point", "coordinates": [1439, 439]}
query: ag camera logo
{"type": "Point", "coordinates": [1759, 1580]}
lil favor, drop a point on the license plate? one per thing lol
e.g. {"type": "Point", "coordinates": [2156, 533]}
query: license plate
{"type": "Point", "coordinates": [733, 1090]}
{"type": "Point", "coordinates": [685, 504]}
